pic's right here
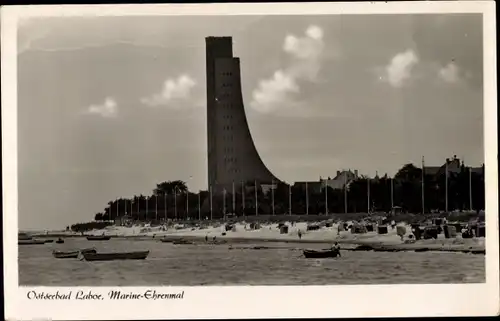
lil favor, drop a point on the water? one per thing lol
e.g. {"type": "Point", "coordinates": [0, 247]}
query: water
{"type": "Point", "coordinates": [169, 264]}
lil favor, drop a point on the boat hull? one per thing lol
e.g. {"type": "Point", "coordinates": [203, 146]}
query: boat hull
{"type": "Point", "coordinates": [182, 242]}
{"type": "Point", "coordinates": [312, 254]}
{"type": "Point", "coordinates": [30, 242]}
{"type": "Point", "coordinates": [115, 256]}
{"type": "Point", "coordinates": [98, 238]}
{"type": "Point", "coordinates": [71, 254]}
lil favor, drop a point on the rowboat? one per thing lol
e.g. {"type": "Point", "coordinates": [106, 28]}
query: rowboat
{"type": "Point", "coordinates": [60, 241]}
{"type": "Point", "coordinates": [72, 254]}
{"type": "Point", "coordinates": [167, 240]}
{"type": "Point", "coordinates": [139, 255]}
{"type": "Point", "coordinates": [320, 254]}
{"type": "Point", "coordinates": [30, 242]}
{"type": "Point", "coordinates": [183, 242]}
{"type": "Point", "coordinates": [98, 238]}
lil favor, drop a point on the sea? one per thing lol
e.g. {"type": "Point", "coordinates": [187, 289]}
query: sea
{"type": "Point", "coordinates": [243, 264]}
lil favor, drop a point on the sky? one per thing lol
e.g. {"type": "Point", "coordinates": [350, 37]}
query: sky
{"type": "Point", "coordinates": [110, 106]}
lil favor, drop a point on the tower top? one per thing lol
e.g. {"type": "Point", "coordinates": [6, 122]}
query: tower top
{"type": "Point", "coordinates": [214, 39]}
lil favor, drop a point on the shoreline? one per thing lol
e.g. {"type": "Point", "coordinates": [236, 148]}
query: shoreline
{"type": "Point", "coordinates": [349, 245]}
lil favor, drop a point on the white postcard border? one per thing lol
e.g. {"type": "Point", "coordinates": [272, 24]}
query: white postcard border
{"type": "Point", "coordinates": [237, 302]}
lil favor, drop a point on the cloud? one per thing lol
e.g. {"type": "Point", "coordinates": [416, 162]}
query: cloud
{"type": "Point", "coordinates": [274, 91]}
{"type": "Point", "coordinates": [107, 109]}
{"type": "Point", "coordinates": [173, 91]}
{"type": "Point", "coordinates": [281, 88]}
{"type": "Point", "coordinates": [399, 69]}
{"type": "Point", "coordinates": [449, 73]}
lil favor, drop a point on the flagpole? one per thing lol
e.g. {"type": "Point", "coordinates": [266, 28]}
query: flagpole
{"type": "Point", "coordinates": [368, 193]}
{"type": "Point", "coordinates": [345, 192]}
{"type": "Point", "coordinates": [256, 201]}
{"type": "Point", "coordinates": [446, 186]}
{"type": "Point", "coordinates": [199, 206]}
{"type": "Point", "coordinates": [307, 200]}
{"type": "Point", "coordinates": [211, 209]}
{"type": "Point", "coordinates": [234, 200]}
{"type": "Point", "coordinates": [175, 202]}
{"type": "Point", "coordinates": [224, 203]}
{"type": "Point", "coordinates": [290, 199]}
{"type": "Point", "coordinates": [165, 204]}
{"type": "Point", "coordinates": [187, 204]}
{"type": "Point", "coordinates": [272, 193]}
{"type": "Point", "coordinates": [243, 197]}
{"type": "Point", "coordinates": [470, 188]}
{"type": "Point", "coordinates": [423, 185]}
{"type": "Point", "coordinates": [326, 196]}
{"type": "Point", "coordinates": [392, 193]}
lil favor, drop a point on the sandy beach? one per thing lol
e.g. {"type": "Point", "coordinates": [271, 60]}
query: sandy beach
{"type": "Point", "coordinates": [241, 233]}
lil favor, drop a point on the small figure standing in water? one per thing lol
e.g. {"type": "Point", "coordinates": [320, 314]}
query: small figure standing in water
{"type": "Point", "coordinates": [336, 248]}
{"type": "Point", "coordinates": [206, 238]}
{"type": "Point", "coordinates": [300, 234]}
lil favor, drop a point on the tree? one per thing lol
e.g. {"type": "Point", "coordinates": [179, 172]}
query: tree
{"type": "Point", "coordinates": [98, 217]}
{"type": "Point", "coordinates": [170, 187]}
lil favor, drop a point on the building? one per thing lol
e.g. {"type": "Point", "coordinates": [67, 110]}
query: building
{"type": "Point", "coordinates": [454, 167]}
{"type": "Point", "coordinates": [232, 156]}
{"type": "Point", "coordinates": [341, 179]}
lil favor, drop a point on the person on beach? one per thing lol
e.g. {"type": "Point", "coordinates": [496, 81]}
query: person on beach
{"type": "Point", "coordinates": [300, 235]}
{"type": "Point", "coordinates": [336, 248]}
{"type": "Point", "coordinates": [206, 238]}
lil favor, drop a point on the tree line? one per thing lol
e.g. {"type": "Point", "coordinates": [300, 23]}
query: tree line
{"type": "Point", "coordinates": [173, 200]}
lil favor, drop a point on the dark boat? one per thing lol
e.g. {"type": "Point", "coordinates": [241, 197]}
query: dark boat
{"type": "Point", "coordinates": [30, 242]}
{"type": "Point", "coordinates": [60, 241]}
{"type": "Point", "coordinates": [71, 254]}
{"type": "Point", "coordinates": [140, 255]}
{"type": "Point", "coordinates": [183, 242]}
{"type": "Point", "coordinates": [313, 254]}
{"type": "Point", "coordinates": [167, 240]}
{"type": "Point", "coordinates": [98, 238]}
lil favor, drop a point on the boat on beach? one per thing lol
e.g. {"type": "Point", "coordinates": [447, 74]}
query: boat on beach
{"type": "Point", "coordinates": [314, 254]}
{"type": "Point", "coordinates": [138, 255]}
{"type": "Point", "coordinates": [72, 254]}
{"type": "Point", "coordinates": [98, 237]}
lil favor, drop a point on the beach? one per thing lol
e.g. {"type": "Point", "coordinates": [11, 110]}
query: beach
{"type": "Point", "coordinates": [243, 233]}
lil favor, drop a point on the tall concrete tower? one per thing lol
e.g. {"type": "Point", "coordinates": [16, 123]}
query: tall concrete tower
{"type": "Point", "coordinates": [232, 156]}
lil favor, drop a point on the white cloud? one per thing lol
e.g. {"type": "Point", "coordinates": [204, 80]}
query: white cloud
{"type": "Point", "coordinates": [449, 73]}
{"type": "Point", "coordinates": [278, 90]}
{"type": "Point", "coordinates": [274, 91]}
{"type": "Point", "coordinates": [173, 91]}
{"type": "Point", "coordinates": [400, 68]}
{"type": "Point", "coordinates": [107, 109]}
